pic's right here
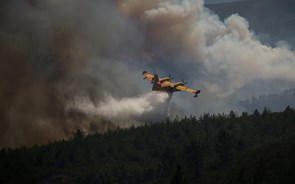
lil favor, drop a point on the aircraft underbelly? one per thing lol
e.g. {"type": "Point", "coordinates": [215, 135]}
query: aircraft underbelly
{"type": "Point", "coordinates": [164, 89]}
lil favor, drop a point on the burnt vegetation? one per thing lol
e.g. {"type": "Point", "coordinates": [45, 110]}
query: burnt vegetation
{"type": "Point", "coordinates": [223, 148]}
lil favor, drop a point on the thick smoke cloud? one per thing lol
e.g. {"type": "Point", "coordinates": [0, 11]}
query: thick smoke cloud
{"type": "Point", "coordinates": [224, 59]}
{"type": "Point", "coordinates": [54, 52]}
{"type": "Point", "coordinates": [68, 65]}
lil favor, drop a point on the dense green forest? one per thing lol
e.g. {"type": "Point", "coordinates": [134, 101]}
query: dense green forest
{"type": "Point", "coordinates": [225, 148]}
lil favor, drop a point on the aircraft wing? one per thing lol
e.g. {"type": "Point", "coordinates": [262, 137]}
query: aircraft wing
{"type": "Point", "coordinates": [167, 84]}
{"type": "Point", "coordinates": [183, 88]}
{"type": "Point", "coordinates": [147, 76]}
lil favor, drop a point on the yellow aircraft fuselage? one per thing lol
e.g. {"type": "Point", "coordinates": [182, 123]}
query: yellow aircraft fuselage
{"type": "Point", "coordinates": [165, 84]}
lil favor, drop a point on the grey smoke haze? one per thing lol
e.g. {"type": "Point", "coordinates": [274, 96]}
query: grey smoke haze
{"type": "Point", "coordinates": [53, 52]}
{"type": "Point", "coordinates": [221, 1]}
{"type": "Point", "coordinates": [275, 23]}
{"type": "Point", "coordinates": [68, 65]}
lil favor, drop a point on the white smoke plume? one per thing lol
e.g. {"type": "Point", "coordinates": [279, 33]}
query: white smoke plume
{"type": "Point", "coordinates": [124, 112]}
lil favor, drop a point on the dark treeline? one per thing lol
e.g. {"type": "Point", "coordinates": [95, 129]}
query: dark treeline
{"type": "Point", "coordinates": [226, 148]}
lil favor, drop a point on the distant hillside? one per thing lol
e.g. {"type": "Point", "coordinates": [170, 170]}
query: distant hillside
{"type": "Point", "coordinates": [254, 149]}
{"type": "Point", "coordinates": [276, 102]}
{"type": "Point", "coordinates": [271, 20]}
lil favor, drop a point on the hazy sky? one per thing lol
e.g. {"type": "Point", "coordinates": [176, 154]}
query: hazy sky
{"type": "Point", "coordinates": [219, 1]}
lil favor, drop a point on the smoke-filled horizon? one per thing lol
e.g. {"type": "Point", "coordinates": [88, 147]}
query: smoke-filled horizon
{"type": "Point", "coordinates": [68, 65]}
{"type": "Point", "coordinates": [221, 1]}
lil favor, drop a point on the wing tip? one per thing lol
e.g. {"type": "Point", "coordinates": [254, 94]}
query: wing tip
{"type": "Point", "coordinates": [196, 93]}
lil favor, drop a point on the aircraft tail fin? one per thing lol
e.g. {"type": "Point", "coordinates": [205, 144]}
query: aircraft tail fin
{"type": "Point", "coordinates": [155, 81]}
{"type": "Point", "coordinates": [156, 78]}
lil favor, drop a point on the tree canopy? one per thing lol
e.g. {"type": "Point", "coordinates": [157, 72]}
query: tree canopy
{"type": "Point", "coordinates": [251, 148]}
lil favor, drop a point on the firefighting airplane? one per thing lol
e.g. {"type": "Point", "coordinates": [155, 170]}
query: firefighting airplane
{"type": "Point", "coordinates": [165, 84]}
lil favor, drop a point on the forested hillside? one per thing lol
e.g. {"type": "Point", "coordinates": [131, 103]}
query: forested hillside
{"type": "Point", "coordinates": [277, 102]}
{"type": "Point", "coordinates": [224, 148]}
